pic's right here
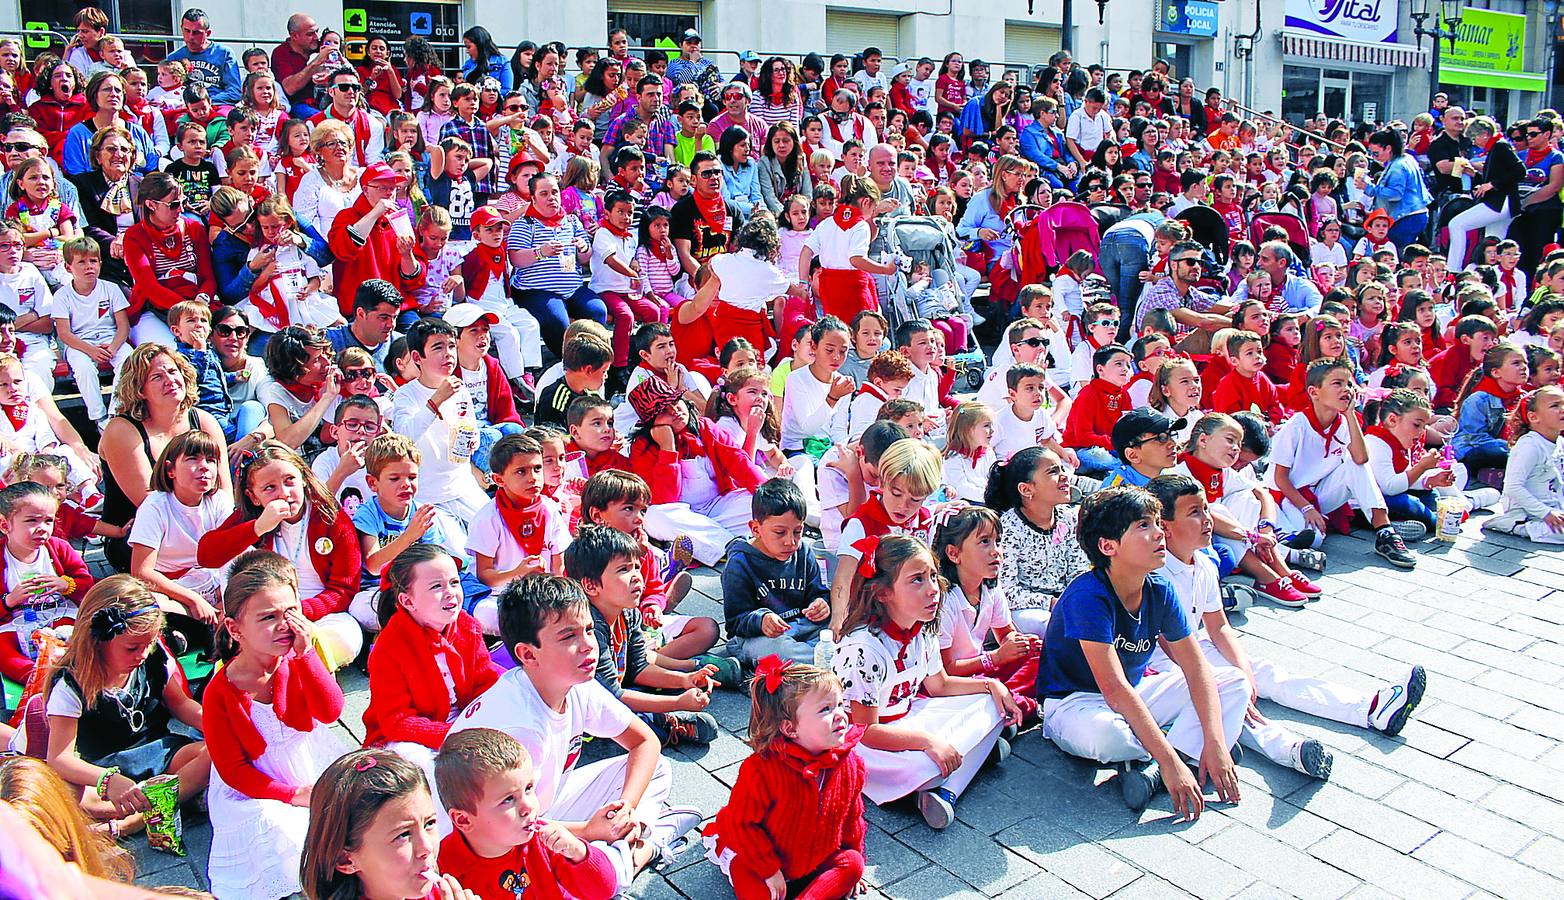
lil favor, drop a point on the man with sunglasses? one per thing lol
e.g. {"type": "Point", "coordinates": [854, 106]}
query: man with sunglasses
{"type": "Point", "coordinates": [1027, 345]}
{"type": "Point", "coordinates": [1176, 292]}
{"type": "Point", "coordinates": [369, 130]}
{"type": "Point", "coordinates": [210, 63]}
{"type": "Point", "coordinates": [702, 224]}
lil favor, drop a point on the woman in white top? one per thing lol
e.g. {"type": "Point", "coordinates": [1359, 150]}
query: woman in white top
{"type": "Point", "coordinates": [332, 186]}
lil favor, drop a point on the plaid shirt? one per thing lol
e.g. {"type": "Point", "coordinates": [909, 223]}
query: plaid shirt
{"type": "Point", "coordinates": [660, 132]}
{"type": "Point", "coordinates": [1164, 295]}
{"type": "Point", "coordinates": [477, 135]}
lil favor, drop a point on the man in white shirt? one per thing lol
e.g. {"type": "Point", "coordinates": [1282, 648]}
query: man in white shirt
{"type": "Point", "coordinates": [1087, 127]}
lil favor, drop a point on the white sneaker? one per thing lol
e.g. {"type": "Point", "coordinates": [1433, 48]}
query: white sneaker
{"type": "Point", "coordinates": [670, 833]}
{"type": "Point", "coordinates": [937, 807]}
{"type": "Point", "coordinates": [1311, 758]}
{"type": "Point", "coordinates": [1483, 497]}
{"type": "Point", "coordinates": [1393, 705]}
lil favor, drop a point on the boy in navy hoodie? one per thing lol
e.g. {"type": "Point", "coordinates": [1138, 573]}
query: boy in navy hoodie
{"type": "Point", "coordinates": [774, 593]}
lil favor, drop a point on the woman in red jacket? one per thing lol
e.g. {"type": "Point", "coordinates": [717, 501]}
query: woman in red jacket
{"type": "Point", "coordinates": [60, 106]}
{"type": "Point", "coordinates": [169, 259]}
{"type": "Point", "coordinates": [365, 243]}
{"type": "Point", "coordinates": [282, 506]}
{"type": "Point", "coordinates": [703, 484]}
{"type": "Point", "coordinates": [428, 652]}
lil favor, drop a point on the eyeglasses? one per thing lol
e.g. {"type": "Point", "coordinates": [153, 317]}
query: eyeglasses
{"type": "Point", "coordinates": [355, 374]}
{"type": "Point", "coordinates": [1189, 259]}
{"type": "Point", "coordinates": [20, 147]}
{"type": "Point", "coordinates": [1532, 134]}
{"type": "Point", "coordinates": [348, 86]}
{"type": "Point", "coordinates": [232, 330]}
{"type": "Point", "coordinates": [1106, 323]}
{"type": "Point", "coordinates": [176, 203]}
{"type": "Point", "coordinates": [1162, 438]}
{"type": "Point", "coordinates": [13, 246]}
{"type": "Point", "coordinates": [711, 173]}
{"type": "Point", "coordinates": [359, 426]}
{"type": "Point", "coordinates": [333, 144]}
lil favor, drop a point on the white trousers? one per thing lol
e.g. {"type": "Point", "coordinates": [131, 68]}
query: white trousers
{"type": "Point", "coordinates": [1495, 223]}
{"type": "Point", "coordinates": [37, 352]}
{"type": "Point", "coordinates": [710, 527]}
{"type": "Point", "coordinates": [1347, 483]}
{"type": "Point", "coordinates": [518, 340]}
{"type": "Point", "coordinates": [1083, 724]}
{"type": "Point", "coordinates": [149, 329]}
{"type": "Point", "coordinates": [1032, 620]}
{"type": "Point", "coordinates": [362, 609]}
{"type": "Point", "coordinates": [1314, 696]}
{"type": "Point", "coordinates": [338, 639]}
{"type": "Point", "coordinates": [971, 723]}
{"type": "Point", "coordinates": [85, 373]}
{"type": "Point", "coordinates": [589, 788]}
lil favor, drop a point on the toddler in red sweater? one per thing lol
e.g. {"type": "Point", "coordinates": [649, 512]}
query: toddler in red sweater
{"type": "Point", "coordinates": [794, 825]}
{"type": "Point", "coordinates": [264, 716]}
{"type": "Point", "coordinates": [430, 660]}
{"type": "Point", "coordinates": [1246, 388]}
{"type": "Point", "coordinates": [1099, 403]}
{"type": "Point", "coordinates": [499, 848]}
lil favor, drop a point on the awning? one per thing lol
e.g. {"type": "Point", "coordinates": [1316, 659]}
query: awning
{"type": "Point", "coordinates": [1511, 81]}
{"type": "Point", "coordinates": [1334, 49]}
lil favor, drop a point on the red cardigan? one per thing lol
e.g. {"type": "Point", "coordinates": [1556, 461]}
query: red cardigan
{"type": "Point", "coordinates": [55, 119]}
{"type": "Point", "coordinates": [358, 261]}
{"type": "Point", "coordinates": [783, 815]}
{"type": "Point", "coordinates": [407, 695]}
{"type": "Point", "coordinates": [1239, 394]}
{"type": "Point", "coordinates": [67, 562]}
{"type": "Point", "coordinates": [145, 289]}
{"type": "Point", "coordinates": [333, 549]}
{"type": "Point", "coordinates": [735, 469]}
{"type": "Point", "coordinates": [1280, 360]}
{"type": "Point", "coordinates": [303, 694]}
{"type": "Point", "coordinates": [501, 399]}
{"type": "Point", "coordinates": [1097, 406]}
{"type": "Point", "coordinates": [1448, 369]}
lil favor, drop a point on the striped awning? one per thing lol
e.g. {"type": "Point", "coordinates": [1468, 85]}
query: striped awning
{"type": "Point", "coordinates": [1313, 46]}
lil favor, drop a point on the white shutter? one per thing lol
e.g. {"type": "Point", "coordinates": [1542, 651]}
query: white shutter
{"type": "Point", "coordinates": [1030, 44]}
{"type": "Point", "coordinates": [849, 32]}
{"type": "Point", "coordinates": [656, 7]}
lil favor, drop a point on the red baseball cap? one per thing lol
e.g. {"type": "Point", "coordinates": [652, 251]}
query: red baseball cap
{"type": "Point", "coordinates": [382, 172]}
{"type": "Point", "coordinates": [485, 216]}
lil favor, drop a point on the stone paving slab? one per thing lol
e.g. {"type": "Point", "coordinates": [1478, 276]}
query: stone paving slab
{"type": "Point", "coordinates": [1467, 802]}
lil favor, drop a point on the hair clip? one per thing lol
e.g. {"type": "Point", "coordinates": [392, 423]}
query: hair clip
{"type": "Point", "coordinates": [364, 763]}
{"type": "Point", "coordinates": [945, 513]}
{"type": "Point", "coordinates": [867, 546]}
{"type": "Point", "coordinates": [241, 461]}
{"type": "Point", "coordinates": [110, 622]}
{"type": "Point", "coordinates": [771, 670]}
{"type": "Point", "coordinates": [1324, 322]}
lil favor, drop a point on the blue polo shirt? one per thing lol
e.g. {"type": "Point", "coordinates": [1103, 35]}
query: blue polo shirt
{"type": "Point", "coordinates": [1089, 610]}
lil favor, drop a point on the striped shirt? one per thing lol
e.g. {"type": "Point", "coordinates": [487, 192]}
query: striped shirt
{"type": "Point", "coordinates": [546, 273]}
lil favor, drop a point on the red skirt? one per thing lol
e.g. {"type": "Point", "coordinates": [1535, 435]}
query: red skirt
{"type": "Point", "coordinates": [845, 293]}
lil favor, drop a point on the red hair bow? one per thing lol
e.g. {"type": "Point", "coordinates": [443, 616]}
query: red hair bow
{"type": "Point", "coordinates": [1393, 370]}
{"type": "Point", "coordinates": [771, 670]}
{"type": "Point", "coordinates": [867, 547]}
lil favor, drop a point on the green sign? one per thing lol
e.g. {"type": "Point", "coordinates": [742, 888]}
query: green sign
{"type": "Point", "coordinates": [1490, 51]}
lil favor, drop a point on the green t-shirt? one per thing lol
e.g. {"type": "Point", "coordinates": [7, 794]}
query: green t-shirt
{"type": "Point", "coordinates": [685, 148]}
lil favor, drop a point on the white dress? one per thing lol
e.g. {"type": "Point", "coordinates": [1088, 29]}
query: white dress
{"type": "Point", "coordinates": [256, 843]}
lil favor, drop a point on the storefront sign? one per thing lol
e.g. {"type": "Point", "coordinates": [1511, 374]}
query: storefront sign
{"type": "Point", "coordinates": [1369, 21]}
{"type": "Point", "coordinates": [1490, 51]}
{"type": "Point", "coordinates": [1192, 17]}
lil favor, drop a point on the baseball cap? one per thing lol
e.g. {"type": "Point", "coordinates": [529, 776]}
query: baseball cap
{"type": "Point", "coordinates": [382, 172]}
{"type": "Point", "coordinates": [485, 216]}
{"type": "Point", "coordinates": [690, 34]}
{"type": "Point", "coordinates": [749, 56]}
{"type": "Point", "coordinates": [1133, 427]}
{"type": "Point", "coordinates": [463, 315]}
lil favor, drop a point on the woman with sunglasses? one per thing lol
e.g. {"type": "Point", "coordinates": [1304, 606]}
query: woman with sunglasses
{"type": "Point", "coordinates": [243, 374]}
{"type": "Point", "coordinates": [169, 259]}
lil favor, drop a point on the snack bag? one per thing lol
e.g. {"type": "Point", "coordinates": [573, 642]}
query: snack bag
{"type": "Point", "coordinates": [165, 825]}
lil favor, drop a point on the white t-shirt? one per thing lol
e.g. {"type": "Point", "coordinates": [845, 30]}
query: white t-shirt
{"type": "Point", "coordinates": [1320, 255]}
{"type": "Point", "coordinates": [964, 629]}
{"type": "Point", "coordinates": [1197, 587]}
{"type": "Point", "coordinates": [1302, 450]}
{"type": "Point", "coordinates": [861, 413]}
{"type": "Point", "coordinates": [326, 463]}
{"type": "Point", "coordinates": [24, 291]}
{"type": "Point", "coordinates": [748, 282]}
{"type": "Point", "coordinates": [447, 443]}
{"type": "Point", "coordinates": [835, 247]}
{"type": "Point", "coordinates": [834, 493]}
{"type": "Point", "coordinates": [1012, 434]}
{"type": "Point", "coordinates": [489, 536]}
{"type": "Point", "coordinates": [923, 94]}
{"type": "Point", "coordinates": [805, 412]}
{"type": "Point", "coordinates": [552, 739]}
{"type": "Point", "coordinates": [92, 315]}
{"type": "Point", "coordinates": [476, 381]}
{"type": "Point", "coordinates": [174, 529]}
{"type": "Point", "coordinates": [1088, 131]}
{"type": "Point", "coordinates": [605, 244]}
{"type": "Point", "coordinates": [867, 663]}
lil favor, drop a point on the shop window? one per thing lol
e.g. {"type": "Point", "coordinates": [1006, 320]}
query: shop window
{"type": "Point", "coordinates": [654, 24]}
{"type": "Point", "coordinates": [1300, 93]}
{"type": "Point", "coordinates": [127, 18]}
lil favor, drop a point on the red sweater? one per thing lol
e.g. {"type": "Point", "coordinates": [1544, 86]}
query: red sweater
{"type": "Point", "coordinates": [1239, 394]}
{"type": "Point", "coordinates": [146, 289]}
{"type": "Point", "coordinates": [548, 875]}
{"type": "Point", "coordinates": [1449, 369]}
{"type": "Point", "coordinates": [303, 694]}
{"type": "Point", "coordinates": [408, 700]}
{"type": "Point", "coordinates": [1097, 406]}
{"type": "Point", "coordinates": [735, 469]}
{"type": "Point", "coordinates": [333, 550]}
{"type": "Point", "coordinates": [15, 665]}
{"type": "Point", "coordinates": [360, 259]}
{"type": "Point", "coordinates": [790, 812]}
{"type": "Point", "coordinates": [501, 399]}
{"type": "Point", "coordinates": [1211, 375]}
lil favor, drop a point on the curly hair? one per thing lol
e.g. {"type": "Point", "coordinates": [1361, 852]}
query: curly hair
{"type": "Point", "coordinates": [759, 236]}
{"type": "Point", "coordinates": [133, 376]}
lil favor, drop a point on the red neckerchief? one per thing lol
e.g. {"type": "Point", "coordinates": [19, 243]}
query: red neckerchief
{"type": "Point", "coordinates": [619, 179]}
{"type": "Point", "coordinates": [308, 393]}
{"type": "Point", "coordinates": [1006, 207]}
{"type": "Point", "coordinates": [1399, 457]}
{"type": "Point", "coordinates": [17, 414]}
{"type": "Point", "coordinates": [870, 388]}
{"type": "Point", "coordinates": [714, 211]}
{"type": "Point", "coordinates": [271, 304]}
{"type": "Point", "coordinates": [877, 522]}
{"type": "Point", "coordinates": [553, 221]}
{"type": "Point", "coordinates": [1488, 386]}
{"type": "Point", "coordinates": [656, 250]}
{"type": "Point", "coordinates": [903, 638]}
{"type": "Point", "coordinates": [846, 216]}
{"type": "Point", "coordinates": [524, 522]}
{"type": "Point", "coordinates": [170, 243]}
{"type": "Point", "coordinates": [1324, 431]}
{"type": "Point", "coordinates": [1507, 278]}
{"type": "Point", "coordinates": [1210, 477]}
{"type": "Point", "coordinates": [613, 229]}
{"type": "Point", "coordinates": [813, 765]}
{"type": "Point", "coordinates": [1533, 157]}
{"type": "Point", "coordinates": [491, 264]}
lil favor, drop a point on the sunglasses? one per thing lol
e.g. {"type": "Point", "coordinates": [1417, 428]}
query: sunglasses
{"type": "Point", "coordinates": [1189, 259]}
{"type": "Point", "coordinates": [355, 374]}
{"type": "Point", "coordinates": [1160, 438]}
{"type": "Point", "coordinates": [21, 147]}
{"type": "Point", "coordinates": [711, 173]}
{"type": "Point", "coordinates": [348, 86]}
{"type": "Point", "coordinates": [232, 330]}
{"type": "Point", "coordinates": [1532, 134]}
{"type": "Point", "coordinates": [1035, 341]}
{"type": "Point", "coordinates": [176, 203]}
{"type": "Point", "coordinates": [1106, 323]}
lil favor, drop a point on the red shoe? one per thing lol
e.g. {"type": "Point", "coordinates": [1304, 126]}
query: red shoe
{"type": "Point", "coordinates": [1282, 591]}
{"type": "Point", "coordinates": [1305, 586]}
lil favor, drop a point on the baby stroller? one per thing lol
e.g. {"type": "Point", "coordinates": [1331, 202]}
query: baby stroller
{"type": "Point", "coordinates": [1063, 229]}
{"type": "Point", "coordinates": [1208, 229]}
{"type": "Point", "coordinates": [1297, 233]}
{"type": "Point", "coordinates": [925, 239]}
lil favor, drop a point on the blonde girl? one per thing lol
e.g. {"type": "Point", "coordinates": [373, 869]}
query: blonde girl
{"type": "Point", "coordinates": [969, 451]}
{"type": "Point", "coordinates": [119, 708]}
{"type": "Point", "coordinates": [48, 804]}
{"type": "Point", "coordinates": [926, 732]}
{"type": "Point", "coordinates": [1534, 478]}
{"type": "Point", "coordinates": [290, 295]}
{"type": "Point", "coordinates": [281, 505]}
{"type": "Point", "coordinates": [265, 717]}
{"type": "Point", "coordinates": [260, 95]}
{"type": "Point", "coordinates": [1176, 394]}
{"type": "Point", "coordinates": [185, 503]}
{"type": "Point", "coordinates": [578, 193]}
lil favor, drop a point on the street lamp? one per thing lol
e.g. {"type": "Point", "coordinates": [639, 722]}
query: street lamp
{"type": "Point", "coordinates": [1447, 21]}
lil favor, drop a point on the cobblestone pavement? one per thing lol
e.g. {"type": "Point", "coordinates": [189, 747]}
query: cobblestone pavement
{"type": "Point", "coordinates": [1467, 801]}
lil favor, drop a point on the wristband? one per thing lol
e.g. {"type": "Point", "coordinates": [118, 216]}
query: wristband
{"type": "Point", "coordinates": [1308, 508]}
{"type": "Point", "coordinates": [988, 662]}
{"type": "Point", "coordinates": [70, 585]}
{"type": "Point", "coordinates": [103, 780]}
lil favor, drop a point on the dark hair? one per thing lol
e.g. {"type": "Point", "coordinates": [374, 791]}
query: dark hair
{"type": "Point", "coordinates": [1001, 493]}
{"type": "Point", "coordinates": [955, 531]}
{"type": "Point", "coordinates": [12, 496]}
{"type": "Point", "coordinates": [508, 448]}
{"type": "Point", "coordinates": [911, 328]}
{"type": "Point", "coordinates": [1468, 326]}
{"type": "Point", "coordinates": [644, 230]}
{"type": "Point", "coordinates": [528, 603]}
{"type": "Point", "coordinates": [418, 336]}
{"type": "Point", "coordinates": [778, 497]}
{"type": "Point", "coordinates": [288, 351]}
{"type": "Point", "coordinates": [398, 575]}
{"type": "Point", "coordinates": [1168, 488]}
{"type": "Point", "coordinates": [1257, 434]}
{"type": "Point", "coordinates": [1101, 355]}
{"type": "Point", "coordinates": [731, 138]}
{"type": "Point", "coordinates": [595, 547]}
{"type": "Point", "coordinates": [828, 323]}
{"type": "Point", "coordinates": [878, 438]}
{"type": "Point", "coordinates": [577, 411]}
{"type": "Point", "coordinates": [1107, 515]}
{"type": "Point", "coordinates": [1532, 321]}
{"type": "Point", "coordinates": [482, 40]}
{"type": "Point", "coordinates": [373, 292]}
{"type": "Point", "coordinates": [1019, 371]}
{"type": "Point", "coordinates": [1391, 138]}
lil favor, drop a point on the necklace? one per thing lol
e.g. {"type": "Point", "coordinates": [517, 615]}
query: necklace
{"type": "Point", "coordinates": [131, 713]}
{"type": "Point", "coordinates": [341, 185]}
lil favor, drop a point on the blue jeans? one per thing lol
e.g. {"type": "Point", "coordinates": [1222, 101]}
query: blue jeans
{"type": "Point", "coordinates": [1411, 505]}
{"type": "Point", "coordinates": [488, 436]}
{"type": "Point", "coordinates": [1095, 461]}
{"type": "Point", "coordinates": [554, 311]}
{"type": "Point", "coordinates": [1122, 257]}
{"type": "Point", "coordinates": [1226, 561]}
{"type": "Point", "coordinates": [1408, 229]}
{"type": "Point", "coordinates": [797, 645]}
{"type": "Point", "coordinates": [248, 416]}
{"type": "Point", "coordinates": [303, 111]}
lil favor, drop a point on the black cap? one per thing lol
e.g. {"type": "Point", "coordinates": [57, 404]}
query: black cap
{"type": "Point", "coordinates": [1136, 425]}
